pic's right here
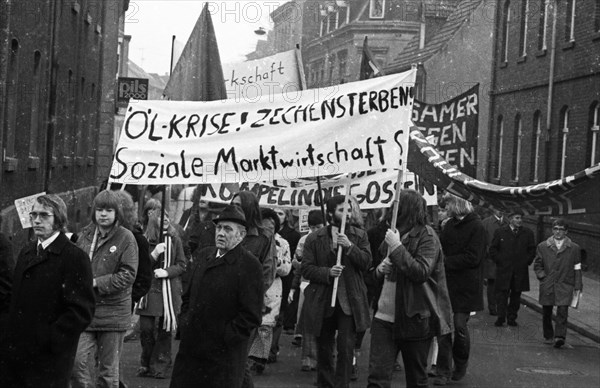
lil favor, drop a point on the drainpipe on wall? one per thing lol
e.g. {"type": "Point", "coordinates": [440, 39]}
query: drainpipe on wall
{"type": "Point", "coordinates": [550, 87]}
{"type": "Point", "coordinates": [540, 223]}
{"type": "Point", "coordinates": [53, 70]}
{"type": "Point", "coordinates": [5, 6]}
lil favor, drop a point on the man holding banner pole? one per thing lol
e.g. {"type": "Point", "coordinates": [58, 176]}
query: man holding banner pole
{"type": "Point", "coordinates": [350, 312]}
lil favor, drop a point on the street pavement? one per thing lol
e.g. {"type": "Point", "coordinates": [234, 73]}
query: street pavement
{"type": "Point", "coordinates": [500, 357]}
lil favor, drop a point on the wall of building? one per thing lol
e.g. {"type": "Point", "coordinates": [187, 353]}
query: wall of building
{"type": "Point", "coordinates": [58, 71]}
{"type": "Point", "coordinates": [462, 63]}
{"type": "Point", "coordinates": [522, 89]}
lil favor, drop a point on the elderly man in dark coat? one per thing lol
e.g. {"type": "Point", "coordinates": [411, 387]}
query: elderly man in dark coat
{"type": "Point", "coordinates": [221, 306]}
{"type": "Point", "coordinates": [52, 303]}
{"type": "Point", "coordinates": [351, 311]}
{"type": "Point", "coordinates": [557, 265]}
{"type": "Point", "coordinates": [513, 250]}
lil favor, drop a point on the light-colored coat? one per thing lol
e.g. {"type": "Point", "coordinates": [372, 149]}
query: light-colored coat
{"type": "Point", "coordinates": [556, 271]}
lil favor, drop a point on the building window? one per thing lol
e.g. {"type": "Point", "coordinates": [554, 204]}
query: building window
{"type": "Point", "coordinates": [332, 21]}
{"type": "Point", "coordinates": [597, 16]}
{"type": "Point", "coordinates": [523, 34]}
{"type": "Point", "coordinates": [499, 141]}
{"type": "Point", "coordinates": [562, 139]}
{"type": "Point", "coordinates": [593, 154]}
{"type": "Point", "coordinates": [535, 146]}
{"type": "Point", "coordinates": [12, 107]}
{"type": "Point", "coordinates": [517, 147]}
{"type": "Point", "coordinates": [570, 21]}
{"type": "Point", "coordinates": [330, 68]}
{"type": "Point", "coordinates": [342, 60]}
{"type": "Point", "coordinates": [35, 105]}
{"type": "Point", "coordinates": [505, 31]}
{"type": "Point", "coordinates": [377, 9]}
{"type": "Point", "coordinates": [543, 27]}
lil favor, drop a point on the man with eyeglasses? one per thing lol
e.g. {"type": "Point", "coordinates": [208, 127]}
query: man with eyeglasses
{"type": "Point", "coordinates": [557, 265]}
{"type": "Point", "coordinates": [52, 303]}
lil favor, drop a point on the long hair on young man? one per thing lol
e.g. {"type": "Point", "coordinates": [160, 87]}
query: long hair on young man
{"type": "Point", "coordinates": [412, 210]}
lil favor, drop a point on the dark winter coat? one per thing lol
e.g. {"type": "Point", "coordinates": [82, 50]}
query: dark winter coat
{"type": "Point", "coordinates": [318, 258]}
{"type": "Point", "coordinates": [262, 245]}
{"type": "Point", "coordinates": [376, 237]}
{"type": "Point", "coordinates": [144, 275]}
{"type": "Point", "coordinates": [154, 299]}
{"type": "Point", "coordinates": [556, 272]}
{"type": "Point", "coordinates": [490, 224]}
{"type": "Point", "coordinates": [114, 265]}
{"type": "Point", "coordinates": [52, 303]}
{"type": "Point", "coordinates": [221, 306]}
{"type": "Point", "coordinates": [512, 254]}
{"type": "Point", "coordinates": [464, 245]}
{"type": "Point", "coordinates": [7, 266]}
{"type": "Point", "coordinates": [423, 307]}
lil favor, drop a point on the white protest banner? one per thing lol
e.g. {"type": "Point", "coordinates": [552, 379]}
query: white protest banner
{"type": "Point", "coordinates": [266, 76]}
{"type": "Point", "coordinates": [372, 190]}
{"type": "Point", "coordinates": [357, 126]}
{"type": "Point", "coordinates": [24, 206]}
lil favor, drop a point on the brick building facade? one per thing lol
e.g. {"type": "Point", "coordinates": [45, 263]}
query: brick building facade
{"type": "Point", "coordinates": [58, 66]}
{"type": "Point", "coordinates": [545, 100]}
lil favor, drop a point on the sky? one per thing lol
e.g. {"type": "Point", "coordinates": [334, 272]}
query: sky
{"type": "Point", "coordinates": [152, 23]}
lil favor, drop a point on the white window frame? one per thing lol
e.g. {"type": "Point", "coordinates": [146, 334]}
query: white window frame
{"type": "Point", "coordinates": [500, 146]}
{"type": "Point", "coordinates": [506, 31]}
{"type": "Point", "coordinates": [538, 136]}
{"type": "Point", "coordinates": [565, 132]}
{"type": "Point", "coordinates": [545, 29]}
{"type": "Point", "coordinates": [595, 129]}
{"type": "Point", "coordinates": [518, 151]}
{"type": "Point", "coordinates": [525, 15]}
{"type": "Point", "coordinates": [572, 32]}
{"type": "Point", "coordinates": [372, 9]}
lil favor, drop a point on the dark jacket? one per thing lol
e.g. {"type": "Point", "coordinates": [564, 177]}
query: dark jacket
{"type": "Point", "coordinates": [490, 224]}
{"type": "Point", "coordinates": [144, 275]}
{"type": "Point", "coordinates": [556, 272]}
{"type": "Point", "coordinates": [114, 265]}
{"type": "Point", "coordinates": [318, 258]}
{"type": "Point", "coordinates": [422, 302]}
{"type": "Point", "coordinates": [221, 306]}
{"type": "Point", "coordinates": [376, 237]}
{"type": "Point", "coordinates": [262, 245]}
{"type": "Point", "coordinates": [291, 235]}
{"type": "Point", "coordinates": [154, 298]}
{"type": "Point", "coordinates": [7, 265]}
{"type": "Point", "coordinates": [464, 245]}
{"type": "Point", "coordinates": [512, 254]}
{"type": "Point", "coordinates": [52, 303]}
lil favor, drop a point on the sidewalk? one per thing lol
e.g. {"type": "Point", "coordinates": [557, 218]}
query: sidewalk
{"type": "Point", "coordinates": [585, 320]}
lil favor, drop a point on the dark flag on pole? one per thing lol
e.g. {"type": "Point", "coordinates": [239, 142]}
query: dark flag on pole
{"type": "Point", "coordinates": [368, 66]}
{"type": "Point", "coordinates": [198, 75]}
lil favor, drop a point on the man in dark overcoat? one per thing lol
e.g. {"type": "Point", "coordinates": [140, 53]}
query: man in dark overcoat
{"type": "Point", "coordinates": [52, 303]}
{"type": "Point", "coordinates": [351, 312]}
{"type": "Point", "coordinates": [220, 307]}
{"type": "Point", "coordinates": [513, 250]}
{"type": "Point", "coordinates": [493, 222]}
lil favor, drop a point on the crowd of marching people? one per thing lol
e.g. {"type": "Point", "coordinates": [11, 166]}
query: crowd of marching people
{"type": "Point", "coordinates": [228, 280]}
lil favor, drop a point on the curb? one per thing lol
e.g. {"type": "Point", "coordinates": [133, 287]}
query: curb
{"type": "Point", "coordinates": [532, 304]}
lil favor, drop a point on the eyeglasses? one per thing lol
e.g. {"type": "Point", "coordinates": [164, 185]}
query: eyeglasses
{"type": "Point", "coordinates": [42, 215]}
{"type": "Point", "coordinates": [558, 228]}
